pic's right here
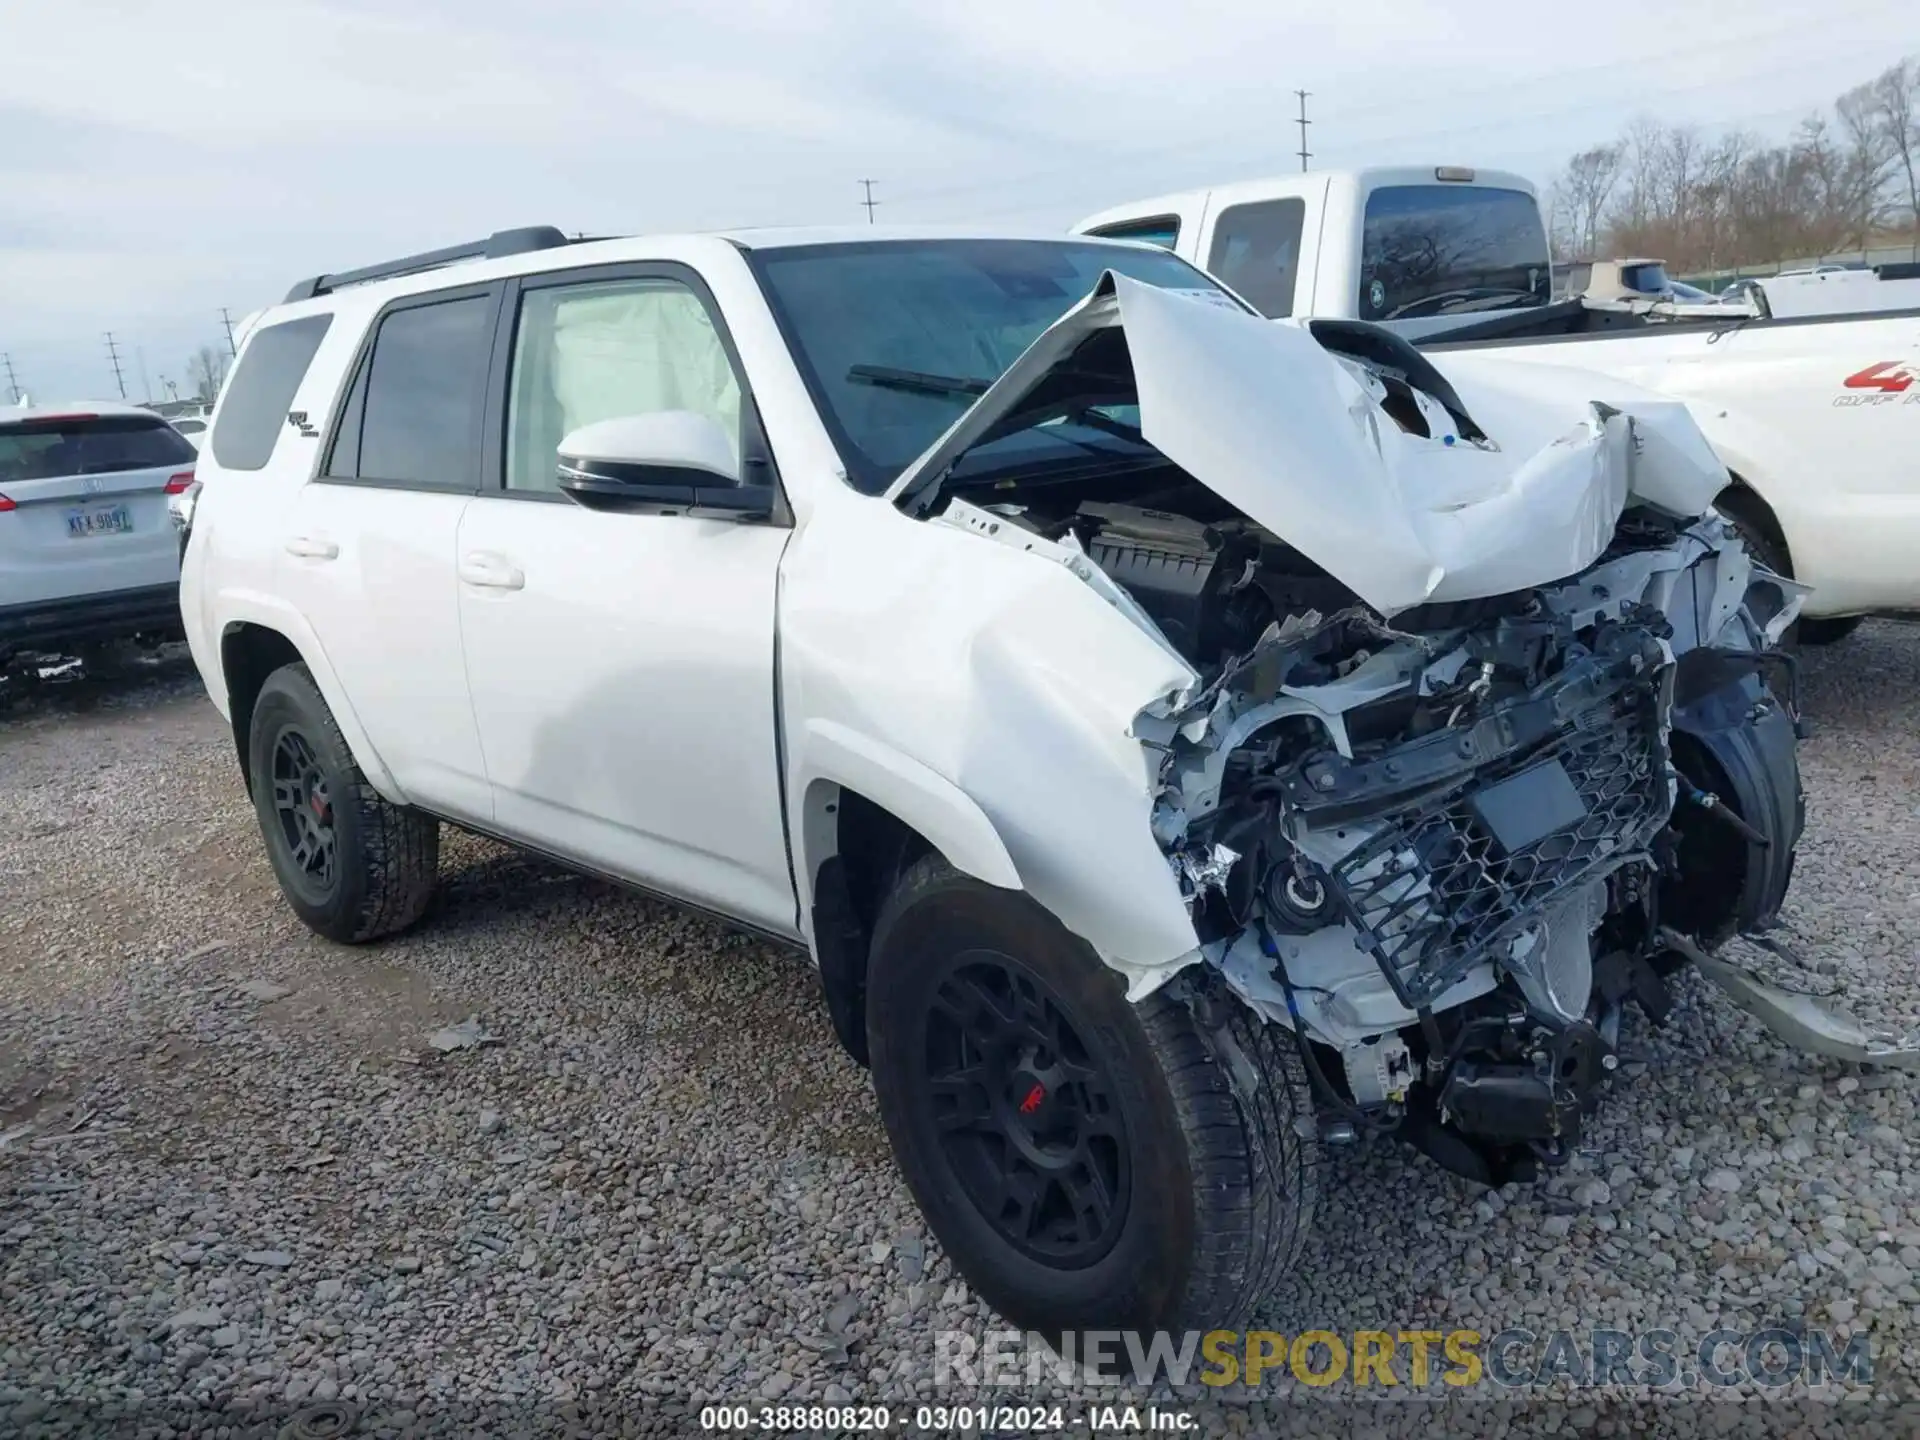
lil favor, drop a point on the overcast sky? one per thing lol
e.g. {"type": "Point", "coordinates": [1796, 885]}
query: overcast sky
{"type": "Point", "coordinates": [160, 161]}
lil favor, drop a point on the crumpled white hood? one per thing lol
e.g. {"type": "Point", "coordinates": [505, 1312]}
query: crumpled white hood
{"type": "Point", "coordinates": [1295, 439]}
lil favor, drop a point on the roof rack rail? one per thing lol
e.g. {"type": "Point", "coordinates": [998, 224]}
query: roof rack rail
{"type": "Point", "coordinates": [496, 245]}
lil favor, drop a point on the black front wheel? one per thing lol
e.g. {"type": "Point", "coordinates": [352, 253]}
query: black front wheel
{"type": "Point", "coordinates": [353, 865]}
{"type": "Point", "coordinates": [1087, 1162]}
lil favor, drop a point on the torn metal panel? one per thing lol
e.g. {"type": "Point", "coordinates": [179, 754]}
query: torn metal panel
{"type": "Point", "coordinates": [1806, 1022]}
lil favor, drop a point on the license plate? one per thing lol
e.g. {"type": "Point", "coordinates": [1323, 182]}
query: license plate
{"type": "Point", "coordinates": [84, 524]}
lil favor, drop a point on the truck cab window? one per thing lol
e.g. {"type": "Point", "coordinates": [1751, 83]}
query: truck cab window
{"type": "Point", "coordinates": [1256, 250]}
{"type": "Point", "coordinates": [1451, 249]}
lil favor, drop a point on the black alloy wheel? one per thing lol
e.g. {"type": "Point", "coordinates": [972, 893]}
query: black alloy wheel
{"type": "Point", "coordinates": [304, 809]}
{"type": "Point", "coordinates": [1026, 1116]}
{"type": "Point", "coordinates": [1087, 1161]}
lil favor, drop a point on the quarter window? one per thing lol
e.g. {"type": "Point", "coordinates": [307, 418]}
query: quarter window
{"type": "Point", "coordinates": [253, 413]}
{"type": "Point", "coordinates": [1256, 250]}
{"type": "Point", "coordinates": [607, 349]}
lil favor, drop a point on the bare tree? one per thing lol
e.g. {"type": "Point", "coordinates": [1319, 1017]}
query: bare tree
{"type": "Point", "coordinates": [1839, 181]}
{"type": "Point", "coordinates": [1893, 101]}
{"type": "Point", "coordinates": [206, 368]}
{"type": "Point", "coordinates": [1581, 196]}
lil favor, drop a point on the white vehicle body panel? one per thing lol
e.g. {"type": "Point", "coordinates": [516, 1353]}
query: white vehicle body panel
{"type": "Point", "coordinates": [370, 569]}
{"type": "Point", "coordinates": [1837, 292]}
{"type": "Point", "coordinates": [620, 668]}
{"type": "Point", "coordinates": [1821, 418]}
{"type": "Point", "coordinates": [1833, 462]}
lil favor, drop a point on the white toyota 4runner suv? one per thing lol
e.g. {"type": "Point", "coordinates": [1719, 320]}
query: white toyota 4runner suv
{"type": "Point", "coordinates": [1181, 741]}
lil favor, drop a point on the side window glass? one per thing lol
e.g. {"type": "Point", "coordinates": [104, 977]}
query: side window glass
{"type": "Point", "coordinates": [253, 414]}
{"type": "Point", "coordinates": [1256, 250]}
{"type": "Point", "coordinates": [599, 351]}
{"type": "Point", "coordinates": [412, 416]}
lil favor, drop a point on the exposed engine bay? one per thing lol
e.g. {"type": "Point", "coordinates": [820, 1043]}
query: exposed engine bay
{"type": "Point", "coordinates": [1447, 846]}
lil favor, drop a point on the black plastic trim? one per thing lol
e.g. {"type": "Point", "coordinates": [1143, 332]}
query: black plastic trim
{"type": "Point", "coordinates": [1506, 329]}
{"type": "Point", "coordinates": [86, 617]}
{"type": "Point", "coordinates": [501, 243]}
{"type": "Point", "coordinates": [793, 943]}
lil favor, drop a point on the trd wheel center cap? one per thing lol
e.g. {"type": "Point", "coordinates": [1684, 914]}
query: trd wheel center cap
{"type": "Point", "coordinates": [1032, 1100]}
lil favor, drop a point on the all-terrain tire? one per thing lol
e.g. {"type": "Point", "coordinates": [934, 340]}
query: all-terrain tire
{"type": "Point", "coordinates": [384, 856]}
{"type": "Point", "coordinates": [1221, 1159]}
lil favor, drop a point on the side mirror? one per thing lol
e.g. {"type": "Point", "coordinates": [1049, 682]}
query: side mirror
{"type": "Point", "coordinates": [669, 462]}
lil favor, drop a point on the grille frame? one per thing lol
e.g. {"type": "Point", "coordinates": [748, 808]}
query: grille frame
{"type": "Point", "coordinates": [1429, 895]}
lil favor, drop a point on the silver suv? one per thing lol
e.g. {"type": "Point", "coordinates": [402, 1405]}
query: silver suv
{"type": "Point", "coordinates": [87, 552]}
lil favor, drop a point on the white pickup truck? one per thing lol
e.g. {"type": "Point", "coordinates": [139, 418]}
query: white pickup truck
{"type": "Point", "coordinates": [1816, 418]}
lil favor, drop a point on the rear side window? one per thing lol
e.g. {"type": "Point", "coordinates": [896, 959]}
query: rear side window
{"type": "Point", "coordinates": [1256, 250]}
{"type": "Point", "coordinates": [254, 409]}
{"type": "Point", "coordinates": [413, 415]}
{"type": "Point", "coordinates": [60, 445]}
{"type": "Point", "coordinates": [1162, 230]}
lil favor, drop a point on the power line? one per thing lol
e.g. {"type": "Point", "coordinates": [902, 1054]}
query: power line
{"type": "Point", "coordinates": [1409, 105]}
{"type": "Point", "coordinates": [869, 202]}
{"type": "Point", "coordinates": [227, 320]}
{"type": "Point", "coordinates": [1303, 122]}
{"type": "Point", "coordinates": [113, 356]}
{"type": "Point", "coordinates": [1226, 165]}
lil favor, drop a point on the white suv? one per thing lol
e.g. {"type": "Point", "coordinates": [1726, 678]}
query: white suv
{"type": "Point", "coordinates": [1006, 623]}
{"type": "Point", "coordinates": [86, 552]}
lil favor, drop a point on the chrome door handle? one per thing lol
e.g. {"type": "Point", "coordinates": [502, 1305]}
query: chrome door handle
{"type": "Point", "coordinates": [491, 572]}
{"type": "Point", "coordinates": [308, 548]}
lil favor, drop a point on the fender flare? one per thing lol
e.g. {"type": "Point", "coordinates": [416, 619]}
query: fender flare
{"type": "Point", "coordinates": [834, 755]}
{"type": "Point", "coordinates": [252, 607]}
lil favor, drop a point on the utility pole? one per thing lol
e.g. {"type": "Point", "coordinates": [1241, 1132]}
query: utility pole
{"type": "Point", "coordinates": [113, 357]}
{"type": "Point", "coordinates": [1303, 122]}
{"type": "Point", "coordinates": [146, 385]}
{"type": "Point", "coordinates": [13, 384]}
{"type": "Point", "coordinates": [869, 202]}
{"type": "Point", "coordinates": [227, 320]}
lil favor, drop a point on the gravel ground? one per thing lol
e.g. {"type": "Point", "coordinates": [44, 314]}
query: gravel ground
{"type": "Point", "coordinates": [235, 1173]}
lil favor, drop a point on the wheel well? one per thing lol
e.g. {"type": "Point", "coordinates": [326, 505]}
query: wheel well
{"type": "Point", "coordinates": [1742, 502]}
{"type": "Point", "coordinates": [248, 655]}
{"type": "Point", "coordinates": [871, 850]}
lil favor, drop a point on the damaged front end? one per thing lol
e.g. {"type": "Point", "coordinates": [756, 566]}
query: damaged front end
{"type": "Point", "coordinates": [1448, 858]}
{"type": "Point", "coordinates": [1479, 749]}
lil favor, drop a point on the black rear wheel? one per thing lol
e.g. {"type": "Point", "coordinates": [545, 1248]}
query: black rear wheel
{"type": "Point", "coordinates": [1088, 1163]}
{"type": "Point", "coordinates": [353, 865]}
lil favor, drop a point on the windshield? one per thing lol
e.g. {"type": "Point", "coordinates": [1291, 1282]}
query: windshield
{"type": "Point", "coordinates": [1449, 249]}
{"type": "Point", "coordinates": [896, 338]}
